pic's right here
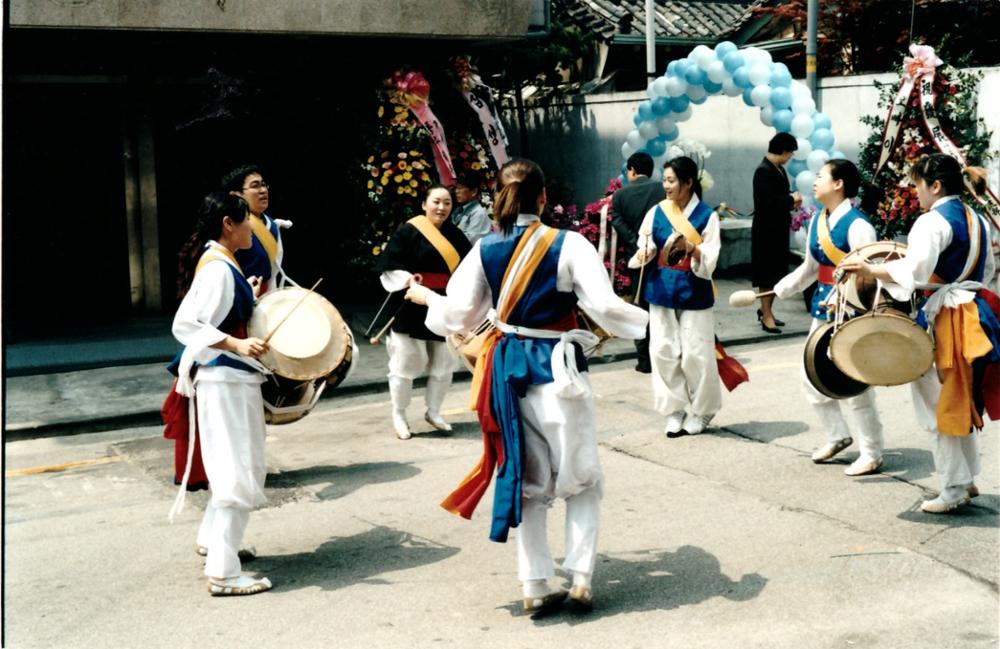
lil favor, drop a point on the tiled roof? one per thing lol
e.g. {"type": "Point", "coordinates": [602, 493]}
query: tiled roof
{"type": "Point", "coordinates": [676, 19]}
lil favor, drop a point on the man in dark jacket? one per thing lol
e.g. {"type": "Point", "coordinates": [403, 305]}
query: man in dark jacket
{"type": "Point", "coordinates": [628, 207]}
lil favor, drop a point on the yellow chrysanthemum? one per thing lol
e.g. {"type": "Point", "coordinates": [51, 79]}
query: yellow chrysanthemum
{"type": "Point", "coordinates": [413, 183]}
{"type": "Point", "coordinates": [381, 111]}
{"type": "Point", "coordinates": [371, 159]}
{"type": "Point", "coordinates": [407, 175]}
{"type": "Point", "coordinates": [385, 180]}
{"type": "Point", "coordinates": [371, 183]}
{"type": "Point", "coordinates": [376, 250]}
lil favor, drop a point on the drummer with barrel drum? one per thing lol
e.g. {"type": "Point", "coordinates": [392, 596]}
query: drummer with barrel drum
{"type": "Point", "coordinates": [838, 229]}
{"type": "Point", "coordinates": [949, 261]}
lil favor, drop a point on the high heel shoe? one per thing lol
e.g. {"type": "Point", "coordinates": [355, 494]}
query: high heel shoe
{"type": "Point", "coordinates": [770, 330]}
{"type": "Point", "coordinates": [760, 318]}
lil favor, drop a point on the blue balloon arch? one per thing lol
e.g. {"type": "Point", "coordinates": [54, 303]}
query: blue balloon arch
{"type": "Point", "coordinates": [785, 104]}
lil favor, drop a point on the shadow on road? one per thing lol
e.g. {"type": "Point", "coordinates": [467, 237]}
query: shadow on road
{"type": "Point", "coordinates": [655, 580]}
{"type": "Point", "coordinates": [982, 512]}
{"type": "Point", "coordinates": [345, 561]}
{"type": "Point", "coordinates": [766, 431]}
{"type": "Point", "coordinates": [343, 479]}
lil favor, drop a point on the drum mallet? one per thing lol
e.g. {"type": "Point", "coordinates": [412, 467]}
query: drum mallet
{"type": "Point", "coordinates": [638, 289]}
{"type": "Point", "coordinates": [746, 298]}
{"type": "Point", "coordinates": [374, 340]}
{"type": "Point", "coordinates": [290, 311]}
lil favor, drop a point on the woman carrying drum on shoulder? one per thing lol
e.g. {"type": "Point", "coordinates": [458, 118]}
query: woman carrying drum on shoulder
{"type": "Point", "coordinates": [428, 248]}
{"type": "Point", "coordinates": [530, 387]}
{"type": "Point", "coordinates": [678, 287]}
{"type": "Point", "coordinates": [837, 230]}
{"type": "Point", "coordinates": [948, 257]}
{"type": "Point", "coordinates": [217, 365]}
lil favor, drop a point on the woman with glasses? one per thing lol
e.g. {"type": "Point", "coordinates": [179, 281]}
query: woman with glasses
{"type": "Point", "coordinates": [264, 256]}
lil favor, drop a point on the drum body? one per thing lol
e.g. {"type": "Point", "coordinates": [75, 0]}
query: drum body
{"type": "Point", "coordinates": [882, 348]}
{"type": "Point", "coordinates": [860, 294]}
{"type": "Point", "coordinates": [310, 349]}
{"type": "Point", "coordinates": [821, 371]}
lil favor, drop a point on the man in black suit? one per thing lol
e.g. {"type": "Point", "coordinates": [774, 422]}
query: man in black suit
{"type": "Point", "coordinates": [628, 207]}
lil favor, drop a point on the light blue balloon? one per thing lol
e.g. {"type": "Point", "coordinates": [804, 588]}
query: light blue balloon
{"type": "Point", "coordinates": [712, 88]}
{"type": "Point", "coordinates": [645, 111]}
{"type": "Point", "coordinates": [637, 119]}
{"type": "Point", "coordinates": [781, 97]}
{"type": "Point", "coordinates": [783, 120]}
{"type": "Point", "coordinates": [742, 77]}
{"type": "Point", "coordinates": [700, 100]}
{"type": "Point", "coordinates": [656, 148]}
{"type": "Point", "coordinates": [746, 96]}
{"type": "Point", "coordinates": [795, 167]}
{"type": "Point", "coordinates": [821, 120]}
{"type": "Point", "coordinates": [724, 48]}
{"type": "Point", "coordinates": [695, 75]}
{"type": "Point", "coordinates": [672, 69]}
{"type": "Point", "coordinates": [669, 137]}
{"type": "Point", "coordinates": [682, 67]}
{"type": "Point", "coordinates": [821, 138]}
{"type": "Point", "coordinates": [623, 179]}
{"type": "Point", "coordinates": [678, 104]}
{"type": "Point", "coordinates": [661, 106]}
{"type": "Point", "coordinates": [838, 155]}
{"type": "Point", "coordinates": [780, 76]}
{"type": "Point", "coordinates": [733, 62]}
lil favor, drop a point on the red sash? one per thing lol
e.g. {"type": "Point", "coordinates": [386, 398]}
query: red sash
{"type": "Point", "coordinates": [825, 275]}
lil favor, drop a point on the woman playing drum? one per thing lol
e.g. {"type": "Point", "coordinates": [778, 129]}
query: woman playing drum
{"type": "Point", "coordinates": [678, 287]}
{"type": "Point", "coordinates": [532, 394]}
{"type": "Point", "coordinates": [948, 257]}
{"type": "Point", "coordinates": [216, 366]}
{"type": "Point", "coordinates": [428, 246]}
{"type": "Point", "coordinates": [835, 231]}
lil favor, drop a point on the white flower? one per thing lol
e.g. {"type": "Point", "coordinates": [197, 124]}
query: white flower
{"type": "Point", "coordinates": [707, 182]}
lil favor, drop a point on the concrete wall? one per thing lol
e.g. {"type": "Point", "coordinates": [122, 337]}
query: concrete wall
{"type": "Point", "coordinates": [580, 139]}
{"type": "Point", "coordinates": [489, 19]}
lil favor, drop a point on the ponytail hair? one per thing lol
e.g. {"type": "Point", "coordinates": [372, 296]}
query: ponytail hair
{"type": "Point", "coordinates": [214, 208]}
{"type": "Point", "coordinates": [521, 184]}
{"type": "Point", "coordinates": [686, 169]}
{"type": "Point", "coordinates": [944, 168]}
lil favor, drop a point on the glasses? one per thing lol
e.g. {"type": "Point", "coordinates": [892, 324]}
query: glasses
{"type": "Point", "coordinates": [256, 186]}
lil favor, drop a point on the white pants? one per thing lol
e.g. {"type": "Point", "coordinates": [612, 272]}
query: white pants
{"type": "Point", "coordinates": [682, 352]}
{"type": "Point", "coordinates": [867, 423]}
{"type": "Point", "coordinates": [956, 457]}
{"type": "Point", "coordinates": [231, 425]}
{"type": "Point", "coordinates": [408, 358]}
{"type": "Point", "coordinates": [560, 461]}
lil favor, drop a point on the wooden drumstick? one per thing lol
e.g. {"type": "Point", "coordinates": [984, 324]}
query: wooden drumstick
{"type": "Point", "coordinates": [297, 304]}
{"type": "Point", "coordinates": [374, 340]}
{"type": "Point", "coordinates": [642, 268]}
{"type": "Point", "coordinates": [746, 298]}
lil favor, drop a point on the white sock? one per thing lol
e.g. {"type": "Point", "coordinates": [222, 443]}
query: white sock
{"type": "Point", "coordinates": [581, 579]}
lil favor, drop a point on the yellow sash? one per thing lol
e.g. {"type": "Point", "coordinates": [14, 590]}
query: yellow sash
{"type": "Point", "coordinates": [519, 284]}
{"type": "Point", "coordinates": [264, 236]}
{"type": "Point", "coordinates": [438, 240]}
{"type": "Point", "coordinates": [679, 222]}
{"type": "Point", "coordinates": [217, 253]}
{"type": "Point", "coordinates": [832, 252]}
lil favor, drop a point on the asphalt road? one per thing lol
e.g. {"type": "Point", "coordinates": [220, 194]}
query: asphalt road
{"type": "Point", "coordinates": [733, 538]}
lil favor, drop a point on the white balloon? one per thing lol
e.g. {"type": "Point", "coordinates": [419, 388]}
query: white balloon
{"type": "Point", "coordinates": [730, 88]}
{"type": "Point", "coordinates": [767, 115]}
{"type": "Point", "coordinates": [660, 87]}
{"type": "Point", "coordinates": [802, 125]}
{"type": "Point", "coordinates": [648, 130]}
{"type": "Point", "coordinates": [805, 148]}
{"type": "Point", "coordinates": [804, 182]}
{"type": "Point", "coordinates": [803, 106]}
{"type": "Point", "coordinates": [676, 86]}
{"type": "Point", "coordinates": [635, 140]}
{"type": "Point", "coordinates": [627, 150]}
{"type": "Point", "coordinates": [665, 124]}
{"type": "Point", "coordinates": [817, 159]}
{"type": "Point", "coordinates": [800, 89]}
{"type": "Point", "coordinates": [704, 56]}
{"type": "Point", "coordinates": [760, 95]}
{"type": "Point", "coordinates": [651, 91]}
{"type": "Point", "coordinates": [686, 115]}
{"type": "Point", "coordinates": [696, 92]}
{"type": "Point", "coordinates": [760, 74]}
{"type": "Point", "coordinates": [717, 71]}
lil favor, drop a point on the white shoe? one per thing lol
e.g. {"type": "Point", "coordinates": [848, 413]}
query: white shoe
{"type": "Point", "coordinates": [827, 451]}
{"type": "Point", "coordinates": [864, 465]}
{"type": "Point", "coordinates": [437, 421]}
{"type": "Point", "coordinates": [675, 422]}
{"type": "Point", "coordinates": [241, 585]}
{"type": "Point", "coordinates": [940, 506]}
{"type": "Point", "coordinates": [695, 424]}
{"type": "Point", "coordinates": [399, 424]}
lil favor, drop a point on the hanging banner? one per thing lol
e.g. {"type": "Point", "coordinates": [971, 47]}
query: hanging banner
{"type": "Point", "coordinates": [479, 96]}
{"type": "Point", "coordinates": [412, 91]}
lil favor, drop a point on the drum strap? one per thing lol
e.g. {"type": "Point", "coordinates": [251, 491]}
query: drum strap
{"type": "Point", "coordinates": [833, 253]}
{"type": "Point", "coordinates": [265, 237]}
{"type": "Point", "coordinates": [438, 240]}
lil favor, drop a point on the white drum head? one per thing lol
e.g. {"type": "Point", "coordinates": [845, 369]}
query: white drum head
{"type": "Point", "coordinates": [882, 349]}
{"type": "Point", "coordinates": [306, 331]}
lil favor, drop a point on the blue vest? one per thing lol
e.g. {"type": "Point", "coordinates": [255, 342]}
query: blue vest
{"type": "Point", "coordinates": [254, 260]}
{"type": "Point", "coordinates": [236, 319]}
{"type": "Point", "coordinates": [952, 260]}
{"type": "Point", "coordinates": [671, 287]}
{"type": "Point", "coordinates": [838, 235]}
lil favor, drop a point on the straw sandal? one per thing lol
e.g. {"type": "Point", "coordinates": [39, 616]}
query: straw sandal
{"type": "Point", "coordinates": [234, 586]}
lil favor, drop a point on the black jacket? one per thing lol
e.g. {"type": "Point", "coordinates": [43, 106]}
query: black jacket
{"type": "Point", "coordinates": [630, 204]}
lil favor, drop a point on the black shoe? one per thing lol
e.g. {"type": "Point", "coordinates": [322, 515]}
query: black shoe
{"type": "Point", "coordinates": [644, 368]}
{"type": "Point", "coordinates": [777, 323]}
{"type": "Point", "coordinates": [680, 433]}
{"type": "Point", "coordinates": [770, 330]}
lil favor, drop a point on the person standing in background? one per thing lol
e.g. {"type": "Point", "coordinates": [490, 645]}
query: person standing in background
{"type": "Point", "coordinates": [471, 216]}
